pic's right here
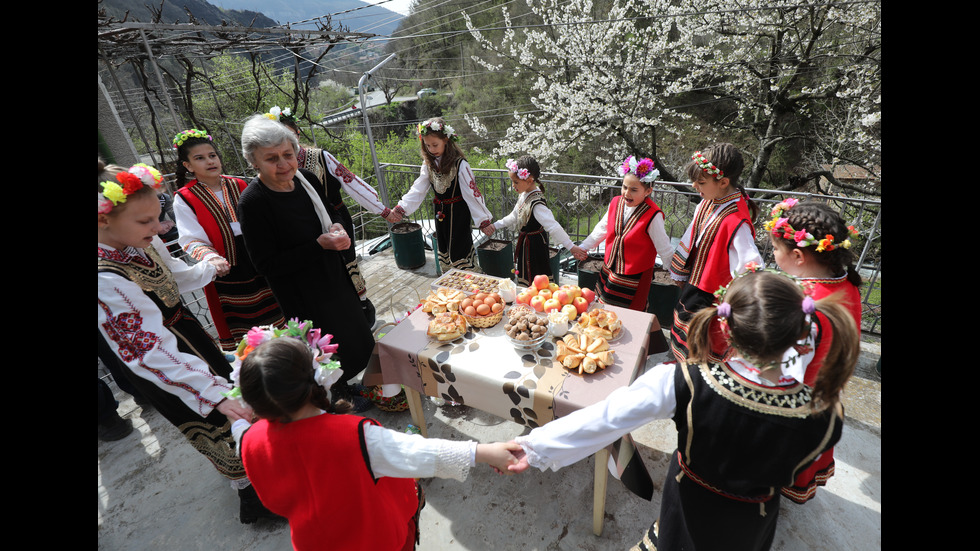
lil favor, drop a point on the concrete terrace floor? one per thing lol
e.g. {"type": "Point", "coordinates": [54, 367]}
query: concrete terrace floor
{"type": "Point", "coordinates": [155, 492]}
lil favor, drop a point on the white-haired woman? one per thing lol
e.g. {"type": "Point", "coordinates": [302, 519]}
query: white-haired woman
{"type": "Point", "coordinates": [293, 236]}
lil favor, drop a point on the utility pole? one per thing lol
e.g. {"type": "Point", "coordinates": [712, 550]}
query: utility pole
{"type": "Point", "coordinates": [367, 126]}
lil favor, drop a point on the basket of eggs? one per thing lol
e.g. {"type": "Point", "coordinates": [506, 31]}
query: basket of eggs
{"type": "Point", "coordinates": [482, 309]}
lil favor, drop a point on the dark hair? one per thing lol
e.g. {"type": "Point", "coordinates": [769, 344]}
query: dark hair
{"type": "Point", "coordinates": [531, 164]}
{"type": "Point", "coordinates": [449, 157]}
{"type": "Point", "coordinates": [277, 380]}
{"type": "Point", "coordinates": [767, 318]}
{"type": "Point", "coordinates": [726, 157]}
{"type": "Point", "coordinates": [820, 220]}
{"type": "Point", "coordinates": [183, 150]}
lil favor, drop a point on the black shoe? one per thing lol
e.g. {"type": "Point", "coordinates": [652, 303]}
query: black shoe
{"type": "Point", "coordinates": [369, 311]}
{"type": "Point", "coordinates": [117, 429]}
{"type": "Point", "coordinates": [251, 508]}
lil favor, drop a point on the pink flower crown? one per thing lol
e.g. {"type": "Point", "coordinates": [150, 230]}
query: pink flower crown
{"type": "Point", "coordinates": [521, 173]}
{"type": "Point", "coordinates": [779, 226]}
{"type": "Point", "coordinates": [642, 168]}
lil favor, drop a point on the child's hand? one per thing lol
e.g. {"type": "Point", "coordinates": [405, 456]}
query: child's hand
{"type": "Point", "coordinates": [489, 229]}
{"type": "Point", "coordinates": [521, 464]}
{"type": "Point", "coordinates": [233, 410]}
{"type": "Point", "coordinates": [394, 217]}
{"type": "Point", "coordinates": [499, 455]}
{"type": "Point", "coordinates": [579, 253]}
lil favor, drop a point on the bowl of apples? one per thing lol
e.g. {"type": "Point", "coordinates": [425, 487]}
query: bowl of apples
{"type": "Point", "coordinates": [546, 296]}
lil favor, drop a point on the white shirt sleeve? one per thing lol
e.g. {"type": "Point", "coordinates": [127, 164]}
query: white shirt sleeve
{"type": "Point", "coordinates": [149, 349]}
{"type": "Point", "coordinates": [400, 455]}
{"type": "Point", "coordinates": [191, 235]}
{"type": "Point", "coordinates": [659, 237]}
{"type": "Point", "coordinates": [189, 278]}
{"type": "Point", "coordinates": [357, 188]}
{"type": "Point", "coordinates": [547, 220]}
{"type": "Point", "coordinates": [743, 250]}
{"type": "Point", "coordinates": [580, 434]}
{"type": "Point", "coordinates": [411, 201]}
{"type": "Point", "coordinates": [471, 194]}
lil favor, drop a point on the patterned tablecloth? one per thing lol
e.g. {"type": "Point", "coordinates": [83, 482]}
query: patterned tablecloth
{"type": "Point", "coordinates": [483, 370]}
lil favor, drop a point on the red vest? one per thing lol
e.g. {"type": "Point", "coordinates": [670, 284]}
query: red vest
{"type": "Point", "coordinates": [710, 266]}
{"type": "Point", "coordinates": [315, 472]}
{"type": "Point", "coordinates": [629, 249]}
{"type": "Point", "coordinates": [205, 206]}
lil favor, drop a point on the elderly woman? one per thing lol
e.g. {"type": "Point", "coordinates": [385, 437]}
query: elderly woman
{"type": "Point", "coordinates": [293, 236]}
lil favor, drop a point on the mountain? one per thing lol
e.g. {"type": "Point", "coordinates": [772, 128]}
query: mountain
{"type": "Point", "coordinates": [367, 18]}
{"type": "Point", "coordinates": [173, 12]}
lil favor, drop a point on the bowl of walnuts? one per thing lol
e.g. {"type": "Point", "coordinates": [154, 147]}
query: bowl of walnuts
{"type": "Point", "coordinates": [526, 328]}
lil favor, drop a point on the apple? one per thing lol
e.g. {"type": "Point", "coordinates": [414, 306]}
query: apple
{"type": "Point", "coordinates": [563, 296]}
{"type": "Point", "coordinates": [537, 302]}
{"type": "Point", "coordinates": [588, 295]}
{"type": "Point", "coordinates": [545, 293]}
{"type": "Point", "coordinates": [581, 305]}
{"type": "Point", "coordinates": [553, 287]}
{"type": "Point", "coordinates": [541, 281]}
{"type": "Point", "coordinates": [572, 290]}
{"type": "Point", "coordinates": [571, 311]}
{"type": "Point", "coordinates": [552, 305]}
{"type": "Point", "coordinates": [523, 298]}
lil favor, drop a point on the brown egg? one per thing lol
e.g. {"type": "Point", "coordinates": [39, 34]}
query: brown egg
{"type": "Point", "coordinates": [490, 301]}
{"type": "Point", "coordinates": [480, 296]}
{"type": "Point", "coordinates": [497, 307]}
{"type": "Point", "coordinates": [466, 302]}
{"type": "Point", "coordinates": [469, 311]}
{"type": "Point", "coordinates": [483, 309]}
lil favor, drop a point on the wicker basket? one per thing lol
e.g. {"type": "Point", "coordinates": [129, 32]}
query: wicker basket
{"type": "Point", "coordinates": [485, 321]}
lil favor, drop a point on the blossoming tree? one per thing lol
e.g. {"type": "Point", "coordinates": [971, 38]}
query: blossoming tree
{"type": "Point", "coordinates": [800, 81]}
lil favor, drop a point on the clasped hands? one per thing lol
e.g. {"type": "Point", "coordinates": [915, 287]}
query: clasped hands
{"type": "Point", "coordinates": [505, 457]}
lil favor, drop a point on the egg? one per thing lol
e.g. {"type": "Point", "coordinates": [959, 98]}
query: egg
{"type": "Point", "coordinates": [466, 302]}
{"type": "Point", "coordinates": [469, 311]}
{"type": "Point", "coordinates": [489, 300]}
{"type": "Point", "coordinates": [480, 296]}
{"type": "Point", "coordinates": [483, 309]}
{"type": "Point", "coordinates": [497, 307]}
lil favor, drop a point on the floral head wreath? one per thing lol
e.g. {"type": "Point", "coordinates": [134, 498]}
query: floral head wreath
{"type": "Point", "coordinates": [706, 165]}
{"type": "Point", "coordinates": [179, 139]}
{"type": "Point", "coordinates": [326, 371]}
{"type": "Point", "coordinates": [779, 226]}
{"type": "Point", "coordinates": [642, 168]}
{"type": "Point", "coordinates": [113, 194]}
{"type": "Point", "coordinates": [281, 115]}
{"type": "Point", "coordinates": [435, 126]}
{"type": "Point", "coordinates": [522, 173]}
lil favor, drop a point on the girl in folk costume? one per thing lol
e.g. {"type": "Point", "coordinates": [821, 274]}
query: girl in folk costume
{"type": "Point", "coordinates": [745, 427]}
{"type": "Point", "coordinates": [534, 220]}
{"type": "Point", "coordinates": [336, 177]}
{"type": "Point", "coordinates": [719, 242]}
{"type": "Point", "coordinates": [827, 265]}
{"type": "Point", "coordinates": [206, 210]}
{"type": "Point", "coordinates": [633, 231]}
{"type": "Point", "coordinates": [456, 197]}
{"type": "Point", "coordinates": [167, 354]}
{"type": "Point", "coordinates": [343, 481]}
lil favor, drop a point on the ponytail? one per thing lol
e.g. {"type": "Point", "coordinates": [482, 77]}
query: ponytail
{"type": "Point", "coordinates": [845, 347]}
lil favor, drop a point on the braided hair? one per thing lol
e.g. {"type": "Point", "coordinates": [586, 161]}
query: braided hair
{"type": "Point", "coordinates": [820, 219]}
{"type": "Point", "coordinates": [277, 380]}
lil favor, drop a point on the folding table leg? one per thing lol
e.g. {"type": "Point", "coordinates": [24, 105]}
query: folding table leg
{"type": "Point", "coordinates": [599, 496]}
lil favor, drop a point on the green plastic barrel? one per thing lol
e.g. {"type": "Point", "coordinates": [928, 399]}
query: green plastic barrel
{"type": "Point", "coordinates": [496, 258]}
{"type": "Point", "coordinates": [553, 260]}
{"type": "Point", "coordinates": [406, 240]}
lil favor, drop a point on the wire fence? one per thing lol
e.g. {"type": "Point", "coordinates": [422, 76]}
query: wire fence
{"type": "Point", "coordinates": [579, 201]}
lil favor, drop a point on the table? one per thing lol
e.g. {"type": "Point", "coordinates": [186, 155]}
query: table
{"type": "Point", "coordinates": [482, 369]}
